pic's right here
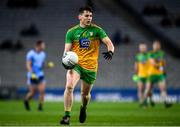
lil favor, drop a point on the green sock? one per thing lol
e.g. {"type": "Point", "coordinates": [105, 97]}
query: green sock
{"type": "Point", "coordinates": [145, 102]}
{"type": "Point", "coordinates": [67, 113]}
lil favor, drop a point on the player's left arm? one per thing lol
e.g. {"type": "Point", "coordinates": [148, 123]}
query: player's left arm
{"type": "Point", "coordinates": [110, 47]}
{"type": "Point", "coordinates": [163, 66]}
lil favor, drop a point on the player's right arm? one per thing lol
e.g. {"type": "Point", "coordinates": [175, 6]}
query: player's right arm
{"type": "Point", "coordinates": [67, 47]}
{"type": "Point", "coordinates": [68, 41]}
{"type": "Point", "coordinates": [136, 67]}
{"type": "Point", "coordinates": [154, 63]}
{"type": "Point", "coordinates": [152, 60]}
{"type": "Point", "coordinates": [29, 61]}
{"type": "Point", "coordinates": [29, 66]}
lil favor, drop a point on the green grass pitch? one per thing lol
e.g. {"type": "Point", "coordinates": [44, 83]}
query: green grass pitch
{"type": "Point", "coordinates": [99, 114]}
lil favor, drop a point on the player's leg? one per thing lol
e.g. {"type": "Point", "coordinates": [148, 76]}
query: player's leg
{"type": "Point", "coordinates": [162, 87]}
{"type": "Point", "coordinates": [72, 78]}
{"type": "Point", "coordinates": [29, 95]}
{"type": "Point", "coordinates": [147, 91]}
{"type": "Point", "coordinates": [150, 97]}
{"type": "Point", "coordinates": [140, 89]}
{"type": "Point", "coordinates": [85, 93]}
{"type": "Point", "coordinates": [86, 96]}
{"type": "Point", "coordinates": [41, 89]}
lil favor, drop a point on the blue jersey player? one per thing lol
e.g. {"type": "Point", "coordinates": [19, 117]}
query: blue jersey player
{"type": "Point", "coordinates": [35, 61]}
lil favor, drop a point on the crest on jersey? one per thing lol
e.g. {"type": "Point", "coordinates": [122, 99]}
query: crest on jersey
{"type": "Point", "coordinates": [91, 33]}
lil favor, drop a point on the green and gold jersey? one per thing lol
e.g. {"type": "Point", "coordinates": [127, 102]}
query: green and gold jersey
{"type": "Point", "coordinates": [85, 43]}
{"type": "Point", "coordinates": [142, 63]}
{"type": "Point", "coordinates": [160, 62]}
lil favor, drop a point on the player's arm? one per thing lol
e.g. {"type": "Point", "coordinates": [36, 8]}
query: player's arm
{"type": "Point", "coordinates": [154, 63]}
{"type": "Point", "coordinates": [68, 42]}
{"type": "Point", "coordinates": [163, 66]}
{"type": "Point", "coordinates": [108, 55]}
{"type": "Point", "coordinates": [136, 67]}
{"type": "Point", "coordinates": [28, 66]}
{"type": "Point", "coordinates": [67, 47]}
{"type": "Point", "coordinates": [164, 62]}
{"type": "Point", "coordinates": [29, 69]}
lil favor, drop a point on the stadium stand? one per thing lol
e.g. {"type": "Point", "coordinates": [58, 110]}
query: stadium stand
{"type": "Point", "coordinates": [52, 20]}
{"type": "Point", "coordinates": [173, 12]}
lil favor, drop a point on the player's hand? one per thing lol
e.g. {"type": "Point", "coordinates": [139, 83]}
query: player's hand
{"type": "Point", "coordinates": [68, 67]}
{"type": "Point", "coordinates": [108, 55]}
{"type": "Point", "coordinates": [33, 76]}
{"type": "Point", "coordinates": [65, 66]}
{"type": "Point", "coordinates": [50, 64]}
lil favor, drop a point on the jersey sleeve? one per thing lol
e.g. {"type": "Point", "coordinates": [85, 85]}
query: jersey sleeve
{"type": "Point", "coordinates": [68, 38]}
{"type": "Point", "coordinates": [29, 56]}
{"type": "Point", "coordinates": [150, 55]}
{"type": "Point", "coordinates": [102, 34]}
{"type": "Point", "coordinates": [162, 54]}
{"type": "Point", "coordinates": [136, 58]}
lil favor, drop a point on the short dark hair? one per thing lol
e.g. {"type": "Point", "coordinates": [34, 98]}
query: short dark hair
{"type": "Point", "coordinates": [85, 8]}
{"type": "Point", "coordinates": [39, 42]}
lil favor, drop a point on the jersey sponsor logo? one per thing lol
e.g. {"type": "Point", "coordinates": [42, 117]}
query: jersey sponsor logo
{"type": "Point", "coordinates": [84, 43]}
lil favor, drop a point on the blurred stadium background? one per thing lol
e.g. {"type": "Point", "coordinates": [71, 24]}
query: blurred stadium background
{"type": "Point", "coordinates": [127, 22]}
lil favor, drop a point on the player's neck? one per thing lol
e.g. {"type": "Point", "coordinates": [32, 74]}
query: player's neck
{"type": "Point", "coordinates": [82, 25]}
{"type": "Point", "coordinates": [156, 50]}
{"type": "Point", "coordinates": [37, 50]}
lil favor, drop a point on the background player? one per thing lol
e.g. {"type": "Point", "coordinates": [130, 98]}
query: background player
{"type": "Point", "coordinates": [141, 67]}
{"type": "Point", "coordinates": [84, 39]}
{"type": "Point", "coordinates": [156, 72]}
{"type": "Point", "coordinates": [35, 60]}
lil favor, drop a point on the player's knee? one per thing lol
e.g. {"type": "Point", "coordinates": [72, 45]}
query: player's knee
{"type": "Point", "coordinates": [42, 92]}
{"type": "Point", "coordinates": [69, 89]}
{"type": "Point", "coordinates": [32, 92]}
{"type": "Point", "coordinates": [86, 96]}
{"type": "Point", "coordinates": [146, 92]}
{"type": "Point", "coordinates": [149, 93]}
{"type": "Point", "coordinates": [163, 93]}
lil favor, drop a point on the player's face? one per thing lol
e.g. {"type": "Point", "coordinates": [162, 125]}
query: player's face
{"type": "Point", "coordinates": [142, 48]}
{"type": "Point", "coordinates": [85, 18]}
{"type": "Point", "coordinates": [156, 46]}
{"type": "Point", "coordinates": [42, 47]}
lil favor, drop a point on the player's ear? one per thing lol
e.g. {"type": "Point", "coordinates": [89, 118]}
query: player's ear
{"type": "Point", "coordinates": [79, 16]}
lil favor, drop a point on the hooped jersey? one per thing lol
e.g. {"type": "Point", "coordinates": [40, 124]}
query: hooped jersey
{"type": "Point", "coordinates": [85, 43]}
{"type": "Point", "coordinates": [160, 62]}
{"type": "Point", "coordinates": [142, 63]}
